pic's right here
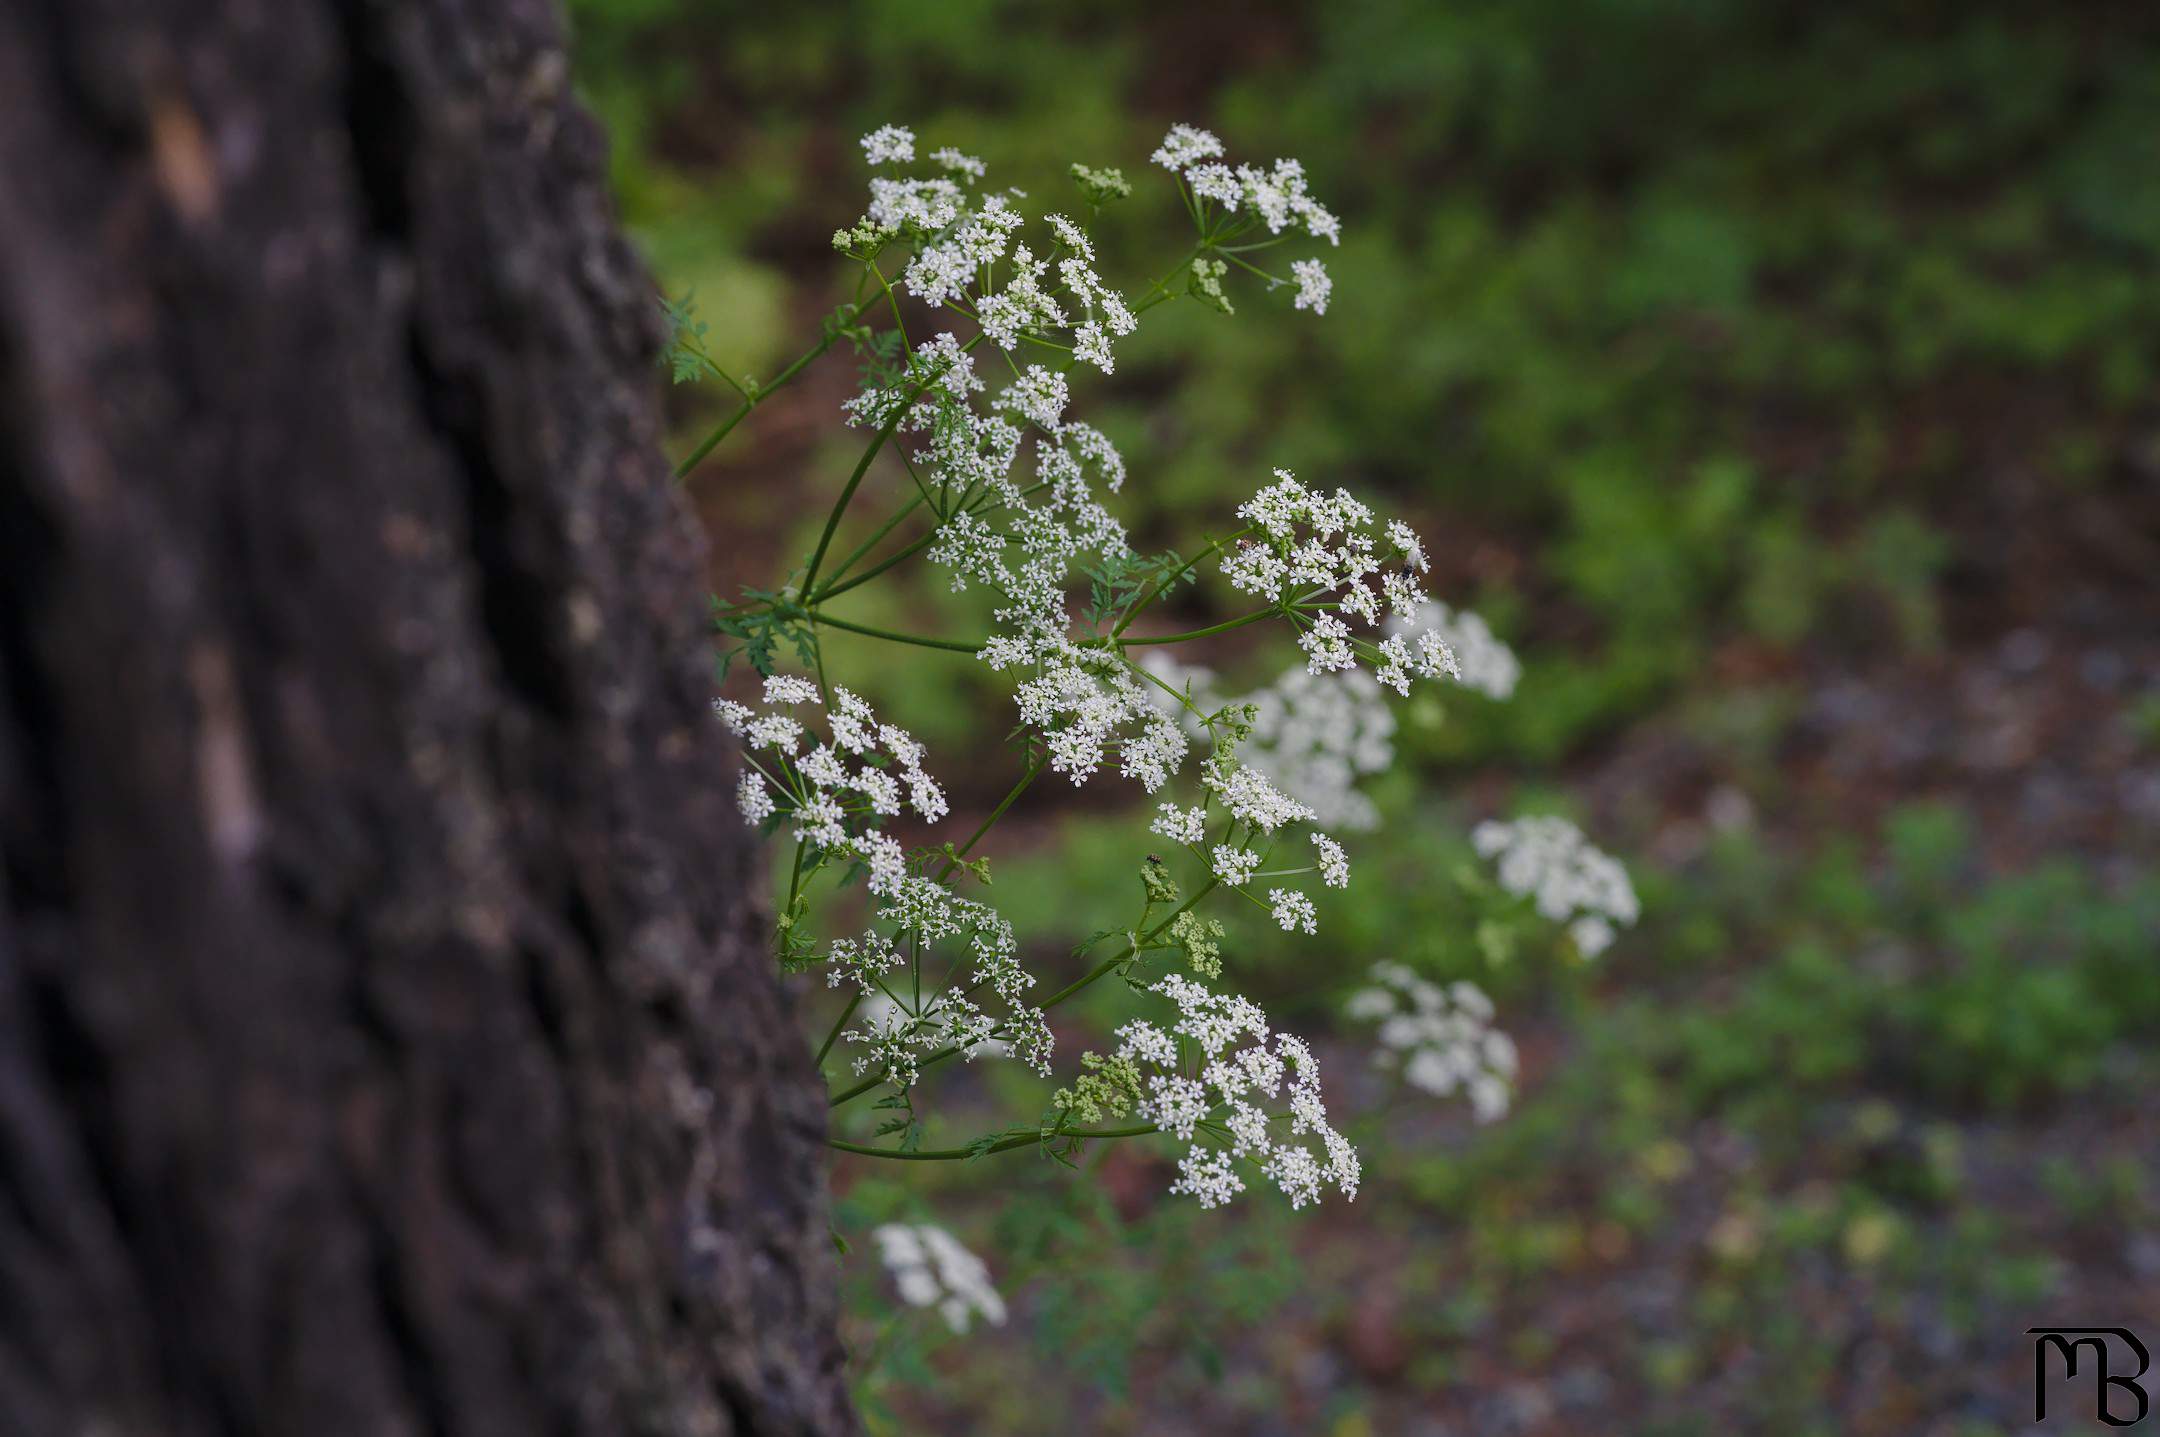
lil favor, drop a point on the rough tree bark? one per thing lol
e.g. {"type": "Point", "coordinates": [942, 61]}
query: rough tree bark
{"type": "Point", "coordinates": [385, 1041]}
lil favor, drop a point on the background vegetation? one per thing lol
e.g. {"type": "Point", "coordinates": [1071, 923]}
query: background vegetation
{"type": "Point", "coordinates": [1780, 379]}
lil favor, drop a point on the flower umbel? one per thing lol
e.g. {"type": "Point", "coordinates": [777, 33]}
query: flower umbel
{"type": "Point", "coordinates": [838, 792]}
{"type": "Point", "coordinates": [932, 1269]}
{"type": "Point", "coordinates": [1570, 879]}
{"type": "Point", "coordinates": [1441, 1038]}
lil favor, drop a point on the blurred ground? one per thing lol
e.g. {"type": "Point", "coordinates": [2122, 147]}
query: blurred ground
{"type": "Point", "coordinates": [1782, 381]}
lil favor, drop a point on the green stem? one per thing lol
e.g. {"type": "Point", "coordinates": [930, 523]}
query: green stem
{"type": "Point", "coordinates": [836, 587]}
{"type": "Point", "coordinates": [1108, 965]}
{"type": "Point", "coordinates": [862, 467]}
{"type": "Point", "coordinates": [919, 640]}
{"type": "Point", "coordinates": [712, 440]}
{"type": "Point", "coordinates": [794, 885]}
{"type": "Point", "coordinates": [975, 646]}
{"type": "Point", "coordinates": [1148, 300]}
{"type": "Point", "coordinates": [1222, 628]}
{"type": "Point", "coordinates": [870, 543]}
{"type": "Point", "coordinates": [894, 300]}
{"type": "Point", "coordinates": [1182, 570]}
{"type": "Point", "coordinates": [997, 813]}
{"type": "Point", "coordinates": [1183, 702]}
{"type": "Point", "coordinates": [847, 492]}
{"type": "Point", "coordinates": [838, 1023]}
{"type": "Point", "coordinates": [1272, 280]}
{"type": "Point", "coordinates": [1003, 1145]}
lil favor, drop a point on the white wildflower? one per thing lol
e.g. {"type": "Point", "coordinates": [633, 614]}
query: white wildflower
{"type": "Point", "coordinates": [1185, 146]}
{"type": "Point", "coordinates": [1234, 865]}
{"type": "Point", "coordinates": [1569, 878]}
{"type": "Point", "coordinates": [925, 205]}
{"type": "Point", "coordinates": [1334, 863]}
{"type": "Point", "coordinates": [1039, 396]}
{"type": "Point", "coordinates": [1092, 346]}
{"type": "Point", "coordinates": [1439, 1036]}
{"type": "Point", "coordinates": [1214, 182]}
{"type": "Point", "coordinates": [927, 918]}
{"type": "Point", "coordinates": [1175, 1104]}
{"type": "Point", "coordinates": [932, 1269]}
{"type": "Point", "coordinates": [889, 145]}
{"type": "Point", "coordinates": [836, 804]}
{"type": "Point", "coordinates": [1405, 540]}
{"type": "Point", "coordinates": [1313, 285]}
{"type": "Point", "coordinates": [1181, 825]}
{"type": "Point", "coordinates": [733, 716]}
{"type": "Point", "coordinates": [1241, 1063]}
{"type": "Point", "coordinates": [1297, 1173]}
{"type": "Point", "coordinates": [1205, 1175]}
{"type": "Point", "coordinates": [952, 160]}
{"type": "Point", "coordinates": [1460, 645]}
{"type": "Point", "coordinates": [1327, 646]}
{"type": "Point", "coordinates": [1314, 735]}
{"type": "Point", "coordinates": [1292, 910]}
{"type": "Point", "coordinates": [1592, 935]}
{"type": "Point", "coordinates": [1250, 797]}
{"type": "Point", "coordinates": [752, 797]}
{"type": "Point", "coordinates": [790, 689]}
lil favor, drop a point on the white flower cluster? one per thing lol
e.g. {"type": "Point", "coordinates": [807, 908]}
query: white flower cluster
{"type": "Point", "coordinates": [1236, 1067]}
{"type": "Point", "coordinates": [895, 1034]}
{"type": "Point", "coordinates": [932, 1269]}
{"type": "Point", "coordinates": [1021, 544]}
{"type": "Point", "coordinates": [1085, 700]}
{"type": "Point", "coordinates": [1276, 197]}
{"type": "Point", "coordinates": [935, 1029]}
{"type": "Point", "coordinates": [1441, 1038]}
{"type": "Point", "coordinates": [1475, 658]}
{"type": "Point", "coordinates": [1572, 880]}
{"type": "Point", "coordinates": [1316, 547]}
{"type": "Point", "coordinates": [833, 805]}
{"type": "Point", "coordinates": [960, 241]}
{"type": "Point", "coordinates": [1313, 285]}
{"type": "Point", "coordinates": [889, 145]}
{"type": "Point", "coordinates": [1314, 735]}
{"type": "Point", "coordinates": [1253, 804]}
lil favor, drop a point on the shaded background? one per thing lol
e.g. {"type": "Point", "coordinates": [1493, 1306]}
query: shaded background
{"type": "Point", "coordinates": [1781, 381]}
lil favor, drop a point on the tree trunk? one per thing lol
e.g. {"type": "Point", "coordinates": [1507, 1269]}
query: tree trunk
{"type": "Point", "coordinates": [387, 1042]}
